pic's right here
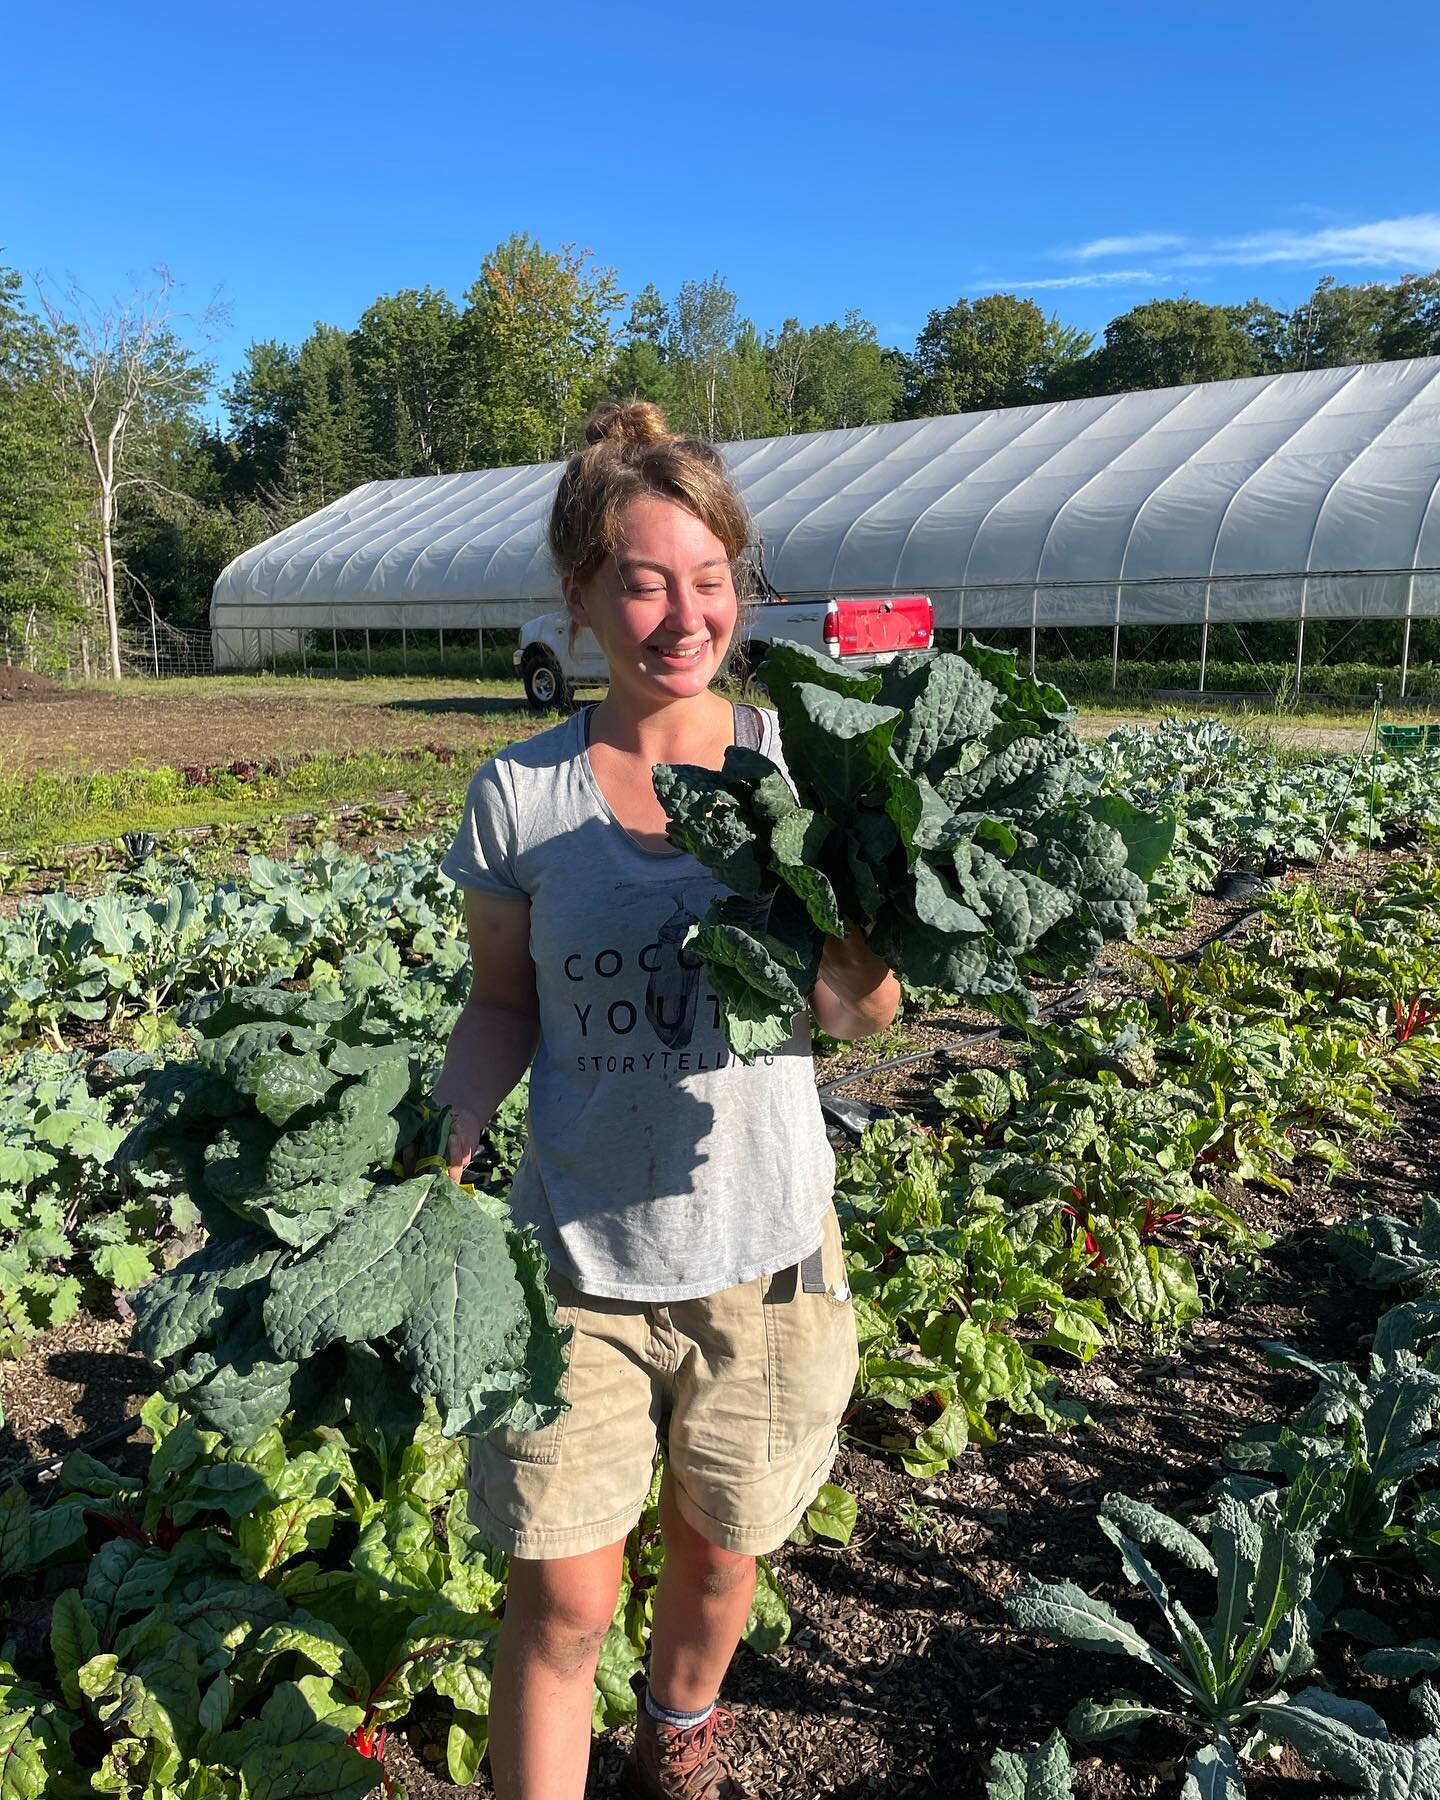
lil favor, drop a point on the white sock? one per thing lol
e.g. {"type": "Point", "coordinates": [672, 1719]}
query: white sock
{"type": "Point", "coordinates": [667, 1715]}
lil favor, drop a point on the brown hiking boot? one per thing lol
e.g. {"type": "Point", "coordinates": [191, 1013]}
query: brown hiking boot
{"type": "Point", "coordinates": [673, 1762]}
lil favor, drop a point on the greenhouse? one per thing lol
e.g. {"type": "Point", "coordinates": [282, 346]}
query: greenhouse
{"type": "Point", "coordinates": [1283, 498]}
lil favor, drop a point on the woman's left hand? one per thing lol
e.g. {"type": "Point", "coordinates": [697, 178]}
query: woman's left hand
{"type": "Point", "coordinates": [857, 994]}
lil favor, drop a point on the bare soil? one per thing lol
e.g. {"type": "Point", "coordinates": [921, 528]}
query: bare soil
{"type": "Point", "coordinates": [24, 684]}
{"type": "Point", "coordinates": [87, 731]}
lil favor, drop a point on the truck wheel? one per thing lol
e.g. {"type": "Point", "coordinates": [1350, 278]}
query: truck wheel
{"type": "Point", "coordinates": [545, 685]}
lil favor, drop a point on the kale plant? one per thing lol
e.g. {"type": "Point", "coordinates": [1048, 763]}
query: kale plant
{"type": "Point", "coordinates": [944, 806]}
{"type": "Point", "coordinates": [1225, 1667]}
{"type": "Point", "coordinates": [328, 1278]}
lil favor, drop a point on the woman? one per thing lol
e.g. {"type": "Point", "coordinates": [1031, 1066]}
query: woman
{"type": "Point", "coordinates": [682, 1197]}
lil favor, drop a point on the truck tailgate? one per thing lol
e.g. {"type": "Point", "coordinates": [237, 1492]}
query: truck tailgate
{"type": "Point", "coordinates": [904, 622]}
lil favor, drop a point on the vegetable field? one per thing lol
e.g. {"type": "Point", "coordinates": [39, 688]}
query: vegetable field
{"type": "Point", "coordinates": [1140, 1487]}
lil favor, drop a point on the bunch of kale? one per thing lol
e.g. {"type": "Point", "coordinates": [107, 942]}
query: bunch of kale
{"type": "Point", "coordinates": [942, 804]}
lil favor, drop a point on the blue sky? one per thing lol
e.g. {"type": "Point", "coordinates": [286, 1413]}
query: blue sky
{"type": "Point", "coordinates": [302, 158]}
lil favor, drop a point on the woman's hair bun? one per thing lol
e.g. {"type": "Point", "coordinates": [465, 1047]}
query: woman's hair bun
{"type": "Point", "coordinates": [627, 422]}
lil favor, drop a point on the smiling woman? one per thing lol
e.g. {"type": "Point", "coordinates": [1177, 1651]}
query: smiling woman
{"type": "Point", "coordinates": [682, 1196]}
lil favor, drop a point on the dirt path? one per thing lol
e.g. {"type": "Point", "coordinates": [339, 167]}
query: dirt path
{"type": "Point", "coordinates": [87, 730]}
{"type": "Point", "coordinates": [1337, 738]}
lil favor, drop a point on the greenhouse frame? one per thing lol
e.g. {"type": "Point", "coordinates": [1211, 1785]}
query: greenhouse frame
{"type": "Point", "coordinates": [1281, 498]}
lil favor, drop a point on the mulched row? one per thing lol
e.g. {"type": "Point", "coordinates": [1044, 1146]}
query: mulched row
{"type": "Point", "coordinates": [902, 1676]}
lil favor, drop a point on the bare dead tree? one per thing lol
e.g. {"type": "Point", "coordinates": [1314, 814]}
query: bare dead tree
{"type": "Point", "coordinates": [122, 370]}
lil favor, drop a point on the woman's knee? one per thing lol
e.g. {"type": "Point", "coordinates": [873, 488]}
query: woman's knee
{"type": "Point", "coordinates": [563, 1607]}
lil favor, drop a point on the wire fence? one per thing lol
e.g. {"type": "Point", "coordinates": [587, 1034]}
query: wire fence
{"type": "Point", "coordinates": [158, 650]}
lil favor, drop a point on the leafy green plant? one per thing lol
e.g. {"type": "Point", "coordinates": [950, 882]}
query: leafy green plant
{"type": "Point", "coordinates": [68, 1229]}
{"type": "Point", "coordinates": [944, 807]}
{"type": "Point", "coordinates": [1224, 1667]}
{"type": "Point", "coordinates": [252, 1620]}
{"type": "Point", "coordinates": [1352, 1744]}
{"type": "Point", "coordinates": [1043, 1774]}
{"type": "Point", "coordinates": [328, 1278]}
{"type": "Point", "coordinates": [1386, 1252]}
{"type": "Point", "coordinates": [1371, 1437]}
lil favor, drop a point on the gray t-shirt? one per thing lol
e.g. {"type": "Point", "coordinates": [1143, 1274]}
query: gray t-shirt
{"type": "Point", "coordinates": [658, 1166]}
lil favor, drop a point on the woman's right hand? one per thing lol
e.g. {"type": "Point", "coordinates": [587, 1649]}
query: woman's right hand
{"type": "Point", "coordinates": [465, 1134]}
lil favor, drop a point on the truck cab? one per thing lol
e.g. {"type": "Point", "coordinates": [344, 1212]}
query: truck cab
{"type": "Point", "coordinates": [860, 632]}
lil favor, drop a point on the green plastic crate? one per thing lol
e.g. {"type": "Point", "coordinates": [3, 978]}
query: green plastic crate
{"type": "Point", "coordinates": [1401, 738]}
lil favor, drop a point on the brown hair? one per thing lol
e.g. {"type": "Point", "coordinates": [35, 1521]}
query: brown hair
{"type": "Point", "coordinates": [631, 453]}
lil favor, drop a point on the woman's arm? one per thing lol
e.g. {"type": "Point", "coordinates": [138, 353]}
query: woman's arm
{"type": "Point", "coordinates": [856, 994]}
{"type": "Point", "coordinates": [499, 1026]}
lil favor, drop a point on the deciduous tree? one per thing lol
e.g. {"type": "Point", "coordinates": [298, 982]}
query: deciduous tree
{"type": "Point", "coordinates": [1167, 343]}
{"type": "Point", "coordinates": [998, 350]}
{"type": "Point", "coordinates": [124, 376]}
{"type": "Point", "coordinates": [408, 362]}
{"type": "Point", "coordinates": [539, 340]}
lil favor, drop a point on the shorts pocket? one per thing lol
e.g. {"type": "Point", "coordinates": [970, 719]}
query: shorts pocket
{"type": "Point", "coordinates": [542, 1445]}
{"type": "Point", "coordinates": [812, 1350]}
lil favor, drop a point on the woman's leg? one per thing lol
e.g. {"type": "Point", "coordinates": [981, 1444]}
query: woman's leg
{"type": "Point", "coordinates": [701, 1606]}
{"type": "Point", "coordinates": [556, 1615]}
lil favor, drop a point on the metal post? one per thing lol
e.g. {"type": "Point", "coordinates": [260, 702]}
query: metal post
{"type": "Point", "coordinates": [155, 647]}
{"type": "Point", "coordinates": [1300, 636]}
{"type": "Point", "coordinates": [1405, 640]}
{"type": "Point", "coordinates": [1115, 645]}
{"type": "Point", "coordinates": [334, 651]}
{"type": "Point", "coordinates": [304, 652]}
{"type": "Point", "coordinates": [404, 653]}
{"type": "Point", "coordinates": [273, 668]}
{"type": "Point", "coordinates": [1034, 620]}
{"type": "Point", "coordinates": [442, 646]}
{"type": "Point", "coordinates": [367, 649]}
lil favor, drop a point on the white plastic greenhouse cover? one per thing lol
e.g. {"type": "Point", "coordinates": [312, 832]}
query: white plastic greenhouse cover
{"type": "Point", "coordinates": [1286, 496]}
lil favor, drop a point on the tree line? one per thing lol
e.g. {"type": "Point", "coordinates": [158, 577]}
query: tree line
{"type": "Point", "coordinates": [120, 499]}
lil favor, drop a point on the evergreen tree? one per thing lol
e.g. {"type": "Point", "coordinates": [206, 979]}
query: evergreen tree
{"type": "Point", "coordinates": [263, 404]}
{"type": "Point", "coordinates": [43, 503]}
{"type": "Point", "coordinates": [331, 437]}
{"type": "Point", "coordinates": [641, 370]}
{"type": "Point", "coordinates": [407, 357]}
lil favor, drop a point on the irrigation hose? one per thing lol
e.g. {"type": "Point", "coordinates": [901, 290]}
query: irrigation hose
{"type": "Point", "coordinates": [27, 1474]}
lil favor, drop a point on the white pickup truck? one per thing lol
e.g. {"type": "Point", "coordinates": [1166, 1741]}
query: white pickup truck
{"type": "Point", "coordinates": [859, 632]}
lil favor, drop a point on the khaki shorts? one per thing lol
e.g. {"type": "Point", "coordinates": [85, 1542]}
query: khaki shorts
{"type": "Point", "coordinates": [742, 1390]}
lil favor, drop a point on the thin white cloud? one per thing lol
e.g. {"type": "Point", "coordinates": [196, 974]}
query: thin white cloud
{"type": "Point", "coordinates": [1091, 278]}
{"type": "Point", "coordinates": [1400, 245]}
{"type": "Point", "coordinates": [1143, 243]}
{"type": "Point", "coordinates": [1411, 242]}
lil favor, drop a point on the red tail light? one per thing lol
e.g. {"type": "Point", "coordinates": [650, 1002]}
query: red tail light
{"type": "Point", "coordinates": [832, 624]}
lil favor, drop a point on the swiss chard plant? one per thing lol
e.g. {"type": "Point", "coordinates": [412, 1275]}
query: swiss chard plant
{"type": "Point", "coordinates": [328, 1277]}
{"type": "Point", "coordinates": [944, 807]}
{"type": "Point", "coordinates": [248, 1621]}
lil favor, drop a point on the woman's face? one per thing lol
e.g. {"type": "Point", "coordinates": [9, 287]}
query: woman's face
{"type": "Point", "coordinates": [663, 608]}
